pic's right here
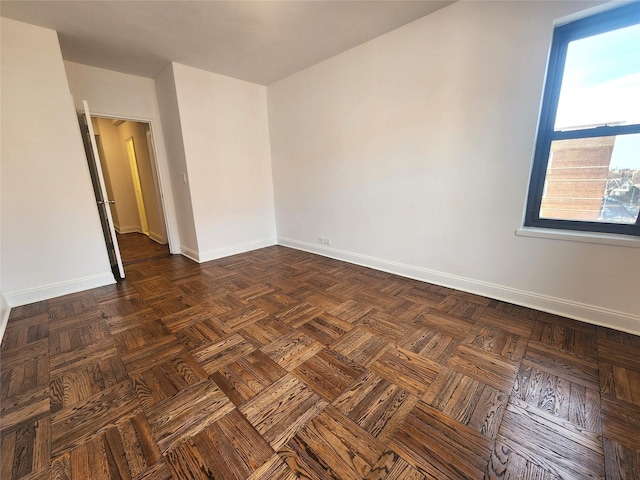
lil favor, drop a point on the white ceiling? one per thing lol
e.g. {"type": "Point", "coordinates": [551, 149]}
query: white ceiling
{"type": "Point", "coordinates": [257, 41]}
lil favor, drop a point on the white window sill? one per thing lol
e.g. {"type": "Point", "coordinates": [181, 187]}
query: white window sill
{"type": "Point", "coordinates": [575, 236]}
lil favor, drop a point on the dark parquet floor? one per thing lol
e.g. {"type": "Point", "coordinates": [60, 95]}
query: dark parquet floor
{"type": "Point", "coordinates": [279, 364]}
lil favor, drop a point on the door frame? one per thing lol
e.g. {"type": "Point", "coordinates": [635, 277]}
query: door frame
{"type": "Point", "coordinates": [159, 181]}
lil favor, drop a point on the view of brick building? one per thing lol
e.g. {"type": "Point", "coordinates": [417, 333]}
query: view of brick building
{"type": "Point", "coordinates": [579, 182]}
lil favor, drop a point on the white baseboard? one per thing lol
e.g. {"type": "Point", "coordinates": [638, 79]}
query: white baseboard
{"type": "Point", "coordinates": [579, 311]}
{"type": "Point", "coordinates": [46, 292]}
{"type": "Point", "coordinates": [130, 229]}
{"type": "Point", "coordinates": [190, 253]}
{"type": "Point", "coordinates": [5, 310]}
{"type": "Point", "coordinates": [158, 238]}
{"type": "Point", "coordinates": [209, 255]}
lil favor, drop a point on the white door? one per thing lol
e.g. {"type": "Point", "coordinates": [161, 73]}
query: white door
{"type": "Point", "coordinates": [104, 204]}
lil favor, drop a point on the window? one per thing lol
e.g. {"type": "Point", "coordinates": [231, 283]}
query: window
{"type": "Point", "coordinates": [586, 168]}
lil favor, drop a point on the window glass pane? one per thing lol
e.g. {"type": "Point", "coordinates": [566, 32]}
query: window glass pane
{"type": "Point", "coordinates": [601, 80]}
{"type": "Point", "coordinates": [593, 179]}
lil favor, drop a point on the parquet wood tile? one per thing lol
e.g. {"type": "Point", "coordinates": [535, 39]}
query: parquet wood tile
{"type": "Point", "coordinates": [385, 326]}
{"type": "Point", "coordinates": [29, 310]}
{"type": "Point", "coordinates": [292, 349]}
{"type": "Point", "coordinates": [378, 301]}
{"type": "Point", "coordinates": [391, 466]}
{"type": "Point", "coordinates": [187, 413]}
{"type": "Point", "coordinates": [281, 409]}
{"type": "Point", "coordinates": [71, 305]}
{"type": "Point", "coordinates": [507, 464]}
{"type": "Point", "coordinates": [462, 306]}
{"type": "Point", "coordinates": [25, 407]}
{"type": "Point", "coordinates": [248, 376]}
{"type": "Point", "coordinates": [324, 301]}
{"type": "Point", "coordinates": [24, 331]}
{"type": "Point", "coordinates": [348, 288]}
{"type": "Point", "coordinates": [325, 328]}
{"type": "Point", "coordinates": [553, 444]}
{"type": "Point", "coordinates": [467, 401]}
{"type": "Point", "coordinates": [122, 305]}
{"type": "Point", "coordinates": [166, 379]}
{"type": "Point", "coordinates": [431, 344]}
{"type": "Point", "coordinates": [361, 346]}
{"type": "Point", "coordinates": [621, 422]}
{"type": "Point", "coordinates": [199, 287]}
{"type": "Point", "coordinates": [406, 369]}
{"type": "Point", "coordinates": [240, 317]}
{"type": "Point", "coordinates": [496, 317]}
{"type": "Point", "coordinates": [188, 317]}
{"type": "Point", "coordinates": [85, 379]}
{"type": "Point", "coordinates": [164, 306]}
{"type": "Point", "coordinates": [428, 297]}
{"type": "Point", "coordinates": [223, 352]}
{"type": "Point", "coordinates": [331, 446]}
{"type": "Point", "coordinates": [25, 449]}
{"type": "Point", "coordinates": [138, 334]}
{"type": "Point", "coordinates": [24, 369]}
{"type": "Point", "coordinates": [559, 396]}
{"type": "Point", "coordinates": [491, 338]}
{"type": "Point", "coordinates": [578, 369]}
{"type": "Point", "coordinates": [229, 449]}
{"type": "Point", "coordinates": [78, 423]}
{"type": "Point", "coordinates": [351, 311]}
{"type": "Point", "coordinates": [219, 305]}
{"type": "Point", "coordinates": [299, 314]}
{"type": "Point", "coordinates": [328, 373]}
{"type": "Point", "coordinates": [278, 364]}
{"type": "Point", "coordinates": [620, 462]}
{"type": "Point", "coordinates": [126, 450]}
{"type": "Point", "coordinates": [120, 324]}
{"type": "Point", "coordinates": [565, 335]}
{"type": "Point", "coordinates": [450, 325]}
{"type": "Point", "coordinates": [376, 405]}
{"type": "Point", "coordinates": [440, 447]}
{"type": "Point", "coordinates": [263, 332]}
{"type": "Point", "coordinates": [275, 303]}
{"type": "Point", "coordinates": [490, 368]}
{"type": "Point", "coordinates": [152, 353]}
{"type": "Point", "coordinates": [70, 360]}
{"type": "Point", "coordinates": [273, 469]}
{"type": "Point", "coordinates": [619, 371]}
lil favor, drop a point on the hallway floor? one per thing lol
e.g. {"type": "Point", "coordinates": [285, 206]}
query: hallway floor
{"type": "Point", "coordinates": [137, 247]}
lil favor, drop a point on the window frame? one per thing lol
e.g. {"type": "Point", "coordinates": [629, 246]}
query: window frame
{"type": "Point", "coordinates": [617, 18]}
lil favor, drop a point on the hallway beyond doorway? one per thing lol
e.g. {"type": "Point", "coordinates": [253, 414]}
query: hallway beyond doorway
{"type": "Point", "coordinates": [137, 247]}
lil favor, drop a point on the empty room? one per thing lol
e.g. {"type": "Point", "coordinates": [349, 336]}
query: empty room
{"type": "Point", "coordinates": [320, 239]}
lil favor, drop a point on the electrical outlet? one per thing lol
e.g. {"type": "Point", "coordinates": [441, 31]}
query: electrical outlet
{"type": "Point", "coordinates": [320, 239]}
{"type": "Point", "coordinates": [327, 241]}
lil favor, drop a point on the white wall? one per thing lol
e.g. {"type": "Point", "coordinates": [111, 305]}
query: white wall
{"type": "Point", "coordinates": [168, 107]}
{"type": "Point", "coordinates": [412, 153]}
{"type": "Point", "coordinates": [118, 95]}
{"type": "Point", "coordinates": [225, 136]}
{"type": "Point", "coordinates": [52, 241]}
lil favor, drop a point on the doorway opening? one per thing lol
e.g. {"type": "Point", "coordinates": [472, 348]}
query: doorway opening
{"type": "Point", "coordinates": [130, 174]}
